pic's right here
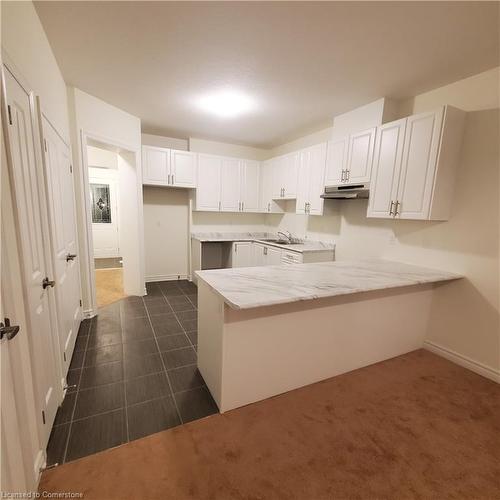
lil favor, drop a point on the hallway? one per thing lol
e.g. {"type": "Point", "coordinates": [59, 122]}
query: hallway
{"type": "Point", "coordinates": [133, 373]}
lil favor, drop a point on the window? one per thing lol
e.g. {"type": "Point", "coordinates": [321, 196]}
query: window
{"type": "Point", "coordinates": [101, 209]}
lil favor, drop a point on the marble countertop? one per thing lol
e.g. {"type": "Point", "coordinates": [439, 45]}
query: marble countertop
{"type": "Point", "coordinates": [304, 246]}
{"type": "Point", "coordinates": [249, 287]}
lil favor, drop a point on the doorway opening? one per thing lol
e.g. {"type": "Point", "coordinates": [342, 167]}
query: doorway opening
{"type": "Point", "coordinates": [114, 215]}
{"type": "Point", "coordinates": [104, 189]}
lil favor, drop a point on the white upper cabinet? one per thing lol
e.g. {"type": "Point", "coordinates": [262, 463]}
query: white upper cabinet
{"type": "Point", "coordinates": [208, 195]}
{"type": "Point", "coordinates": [285, 175]}
{"type": "Point", "coordinates": [167, 167]}
{"type": "Point", "coordinates": [230, 186]}
{"type": "Point", "coordinates": [386, 169]}
{"type": "Point", "coordinates": [250, 185]}
{"type": "Point", "coordinates": [183, 168]}
{"type": "Point", "coordinates": [360, 156]}
{"type": "Point", "coordinates": [311, 180]}
{"type": "Point", "coordinates": [155, 166]}
{"type": "Point", "coordinates": [413, 177]}
{"type": "Point", "coordinates": [267, 203]}
{"type": "Point", "coordinates": [336, 161]}
{"type": "Point", "coordinates": [349, 159]}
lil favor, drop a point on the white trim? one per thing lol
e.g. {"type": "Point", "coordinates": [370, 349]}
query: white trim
{"type": "Point", "coordinates": [167, 277]}
{"type": "Point", "coordinates": [88, 313]}
{"type": "Point", "coordinates": [40, 463]}
{"type": "Point", "coordinates": [464, 361]}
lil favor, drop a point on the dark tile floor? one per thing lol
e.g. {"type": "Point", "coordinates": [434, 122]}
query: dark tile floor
{"type": "Point", "coordinates": [134, 373]}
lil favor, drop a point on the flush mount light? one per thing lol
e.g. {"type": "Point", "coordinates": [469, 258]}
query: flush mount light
{"type": "Point", "coordinates": [226, 103]}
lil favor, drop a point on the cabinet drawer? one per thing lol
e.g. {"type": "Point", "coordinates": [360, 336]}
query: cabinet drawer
{"type": "Point", "coordinates": [291, 258]}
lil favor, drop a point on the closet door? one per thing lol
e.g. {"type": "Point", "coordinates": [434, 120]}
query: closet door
{"type": "Point", "coordinates": [183, 169]}
{"type": "Point", "coordinates": [250, 184]}
{"type": "Point", "coordinates": [423, 132]}
{"type": "Point", "coordinates": [359, 161]}
{"type": "Point", "coordinates": [386, 169]}
{"type": "Point", "coordinates": [336, 161]}
{"type": "Point", "coordinates": [209, 180]}
{"type": "Point", "coordinates": [155, 166]}
{"type": "Point", "coordinates": [230, 186]}
{"type": "Point", "coordinates": [62, 222]}
{"type": "Point", "coordinates": [29, 194]}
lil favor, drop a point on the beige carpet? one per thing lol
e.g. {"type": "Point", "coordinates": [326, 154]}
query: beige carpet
{"type": "Point", "coordinates": [416, 426]}
{"type": "Point", "coordinates": [109, 286]}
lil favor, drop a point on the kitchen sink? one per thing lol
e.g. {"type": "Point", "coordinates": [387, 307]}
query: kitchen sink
{"type": "Point", "coordinates": [281, 242]}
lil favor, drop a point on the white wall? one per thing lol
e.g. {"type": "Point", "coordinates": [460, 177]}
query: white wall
{"type": "Point", "coordinates": [101, 158]}
{"type": "Point", "coordinates": [121, 130]}
{"type": "Point", "coordinates": [26, 45]}
{"type": "Point", "coordinates": [225, 149]}
{"type": "Point", "coordinates": [165, 142]}
{"type": "Point", "coordinates": [166, 233]}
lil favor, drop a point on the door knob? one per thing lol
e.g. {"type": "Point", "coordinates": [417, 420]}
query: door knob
{"type": "Point", "coordinates": [8, 331]}
{"type": "Point", "coordinates": [71, 256]}
{"type": "Point", "coordinates": [46, 283]}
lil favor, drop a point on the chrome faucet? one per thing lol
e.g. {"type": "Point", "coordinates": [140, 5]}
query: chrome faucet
{"type": "Point", "coordinates": [287, 236]}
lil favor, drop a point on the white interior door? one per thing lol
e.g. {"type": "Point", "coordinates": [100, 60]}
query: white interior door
{"type": "Point", "coordinates": [104, 210]}
{"type": "Point", "coordinates": [386, 169]}
{"type": "Point", "coordinates": [61, 201]}
{"type": "Point", "coordinates": [230, 186]}
{"type": "Point", "coordinates": [28, 187]}
{"type": "Point", "coordinates": [421, 146]}
{"type": "Point", "coordinates": [183, 168]}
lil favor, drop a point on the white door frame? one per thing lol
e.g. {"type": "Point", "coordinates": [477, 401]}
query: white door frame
{"type": "Point", "coordinates": [88, 250]}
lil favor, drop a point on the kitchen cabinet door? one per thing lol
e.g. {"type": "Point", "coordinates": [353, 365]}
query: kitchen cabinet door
{"type": "Point", "coordinates": [209, 181]}
{"type": "Point", "coordinates": [230, 185]}
{"type": "Point", "coordinates": [336, 161]}
{"type": "Point", "coordinates": [290, 172]}
{"type": "Point", "coordinates": [386, 169]}
{"type": "Point", "coordinates": [183, 168]}
{"type": "Point", "coordinates": [420, 153]}
{"type": "Point", "coordinates": [250, 183]}
{"type": "Point", "coordinates": [303, 181]}
{"type": "Point", "coordinates": [317, 163]}
{"type": "Point", "coordinates": [359, 160]}
{"type": "Point", "coordinates": [278, 183]}
{"type": "Point", "coordinates": [155, 166]}
{"type": "Point", "coordinates": [242, 255]}
{"type": "Point", "coordinates": [259, 259]}
{"type": "Point", "coordinates": [273, 257]}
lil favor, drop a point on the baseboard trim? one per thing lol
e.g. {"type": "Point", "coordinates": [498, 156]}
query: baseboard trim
{"type": "Point", "coordinates": [466, 362]}
{"type": "Point", "coordinates": [166, 277]}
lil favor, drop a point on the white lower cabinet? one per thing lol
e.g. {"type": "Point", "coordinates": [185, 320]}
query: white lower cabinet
{"type": "Point", "coordinates": [414, 166]}
{"type": "Point", "coordinates": [273, 256]}
{"type": "Point", "coordinates": [242, 254]}
{"type": "Point", "coordinates": [266, 255]}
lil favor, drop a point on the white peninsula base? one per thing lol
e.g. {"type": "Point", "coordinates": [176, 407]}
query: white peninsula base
{"type": "Point", "coordinates": [246, 355]}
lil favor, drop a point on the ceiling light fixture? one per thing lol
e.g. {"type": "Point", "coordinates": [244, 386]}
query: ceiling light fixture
{"type": "Point", "coordinates": [226, 103]}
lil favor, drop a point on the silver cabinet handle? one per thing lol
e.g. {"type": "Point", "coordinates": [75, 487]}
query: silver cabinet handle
{"type": "Point", "coordinates": [396, 211]}
{"type": "Point", "coordinates": [269, 207]}
{"type": "Point", "coordinates": [265, 250]}
{"type": "Point", "coordinates": [168, 179]}
{"type": "Point", "coordinates": [347, 175]}
{"type": "Point", "coordinates": [390, 208]}
{"type": "Point", "coordinates": [342, 176]}
{"type": "Point", "coordinates": [46, 283]}
{"type": "Point", "coordinates": [172, 179]}
{"type": "Point", "coordinates": [219, 206]}
{"type": "Point", "coordinates": [242, 206]}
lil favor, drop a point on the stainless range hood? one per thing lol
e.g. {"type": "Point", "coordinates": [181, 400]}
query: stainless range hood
{"type": "Point", "coordinates": [346, 192]}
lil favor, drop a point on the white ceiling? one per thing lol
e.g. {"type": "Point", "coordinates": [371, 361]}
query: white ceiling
{"type": "Point", "coordinates": [303, 62]}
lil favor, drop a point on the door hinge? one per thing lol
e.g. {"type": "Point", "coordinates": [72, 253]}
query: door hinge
{"type": "Point", "coordinates": [80, 302]}
{"type": "Point", "coordinates": [45, 145]}
{"type": "Point", "coordinates": [71, 169]}
{"type": "Point", "coordinates": [43, 417]}
{"type": "Point", "coordinates": [10, 114]}
{"type": "Point", "coordinates": [64, 356]}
